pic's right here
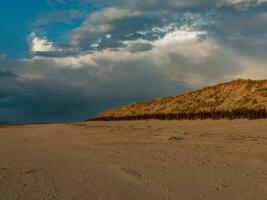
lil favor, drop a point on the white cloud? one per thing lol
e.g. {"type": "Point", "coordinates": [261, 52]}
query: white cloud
{"type": "Point", "coordinates": [179, 56]}
{"type": "Point", "coordinates": [261, 1]}
{"type": "Point", "coordinates": [41, 44]}
{"type": "Point", "coordinates": [111, 14]}
{"type": "Point", "coordinates": [179, 36]}
{"type": "Point", "coordinates": [240, 4]}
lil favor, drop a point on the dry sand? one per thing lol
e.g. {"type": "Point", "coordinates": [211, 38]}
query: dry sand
{"type": "Point", "coordinates": [183, 160]}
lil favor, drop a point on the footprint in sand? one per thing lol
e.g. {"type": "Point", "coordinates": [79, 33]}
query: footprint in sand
{"type": "Point", "coordinates": [31, 171]}
{"type": "Point", "coordinates": [175, 138]}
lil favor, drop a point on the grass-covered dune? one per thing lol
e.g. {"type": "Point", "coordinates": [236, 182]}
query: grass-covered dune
{"type": "Point", "coordinates": [232, 100]}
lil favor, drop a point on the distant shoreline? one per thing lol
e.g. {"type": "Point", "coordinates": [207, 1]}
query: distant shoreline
{"type": "Point", "coordinates": [28, 123]}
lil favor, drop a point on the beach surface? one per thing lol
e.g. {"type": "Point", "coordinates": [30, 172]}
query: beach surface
{"type": "Point", "coordinates": [135, 160]}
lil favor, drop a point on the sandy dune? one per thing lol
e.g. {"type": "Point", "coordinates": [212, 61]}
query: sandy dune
{"type": "Point", "coordinates": [237, 99]}
{"type": "Point", "coordinates": [183, 160]}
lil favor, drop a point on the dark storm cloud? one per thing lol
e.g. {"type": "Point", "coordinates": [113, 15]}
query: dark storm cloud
{"type": "Point", "coordinates": [245, 31]}
{"type": "Point", "coordinates": [229, 21]}
{"type": "Point", "coordinates": [140, 47]}
{"type": "Point", "coordinates": [56, 54]}
{"type": "Point", "coordinates": [47, 90]}
{"type": "Point", "coordinates": [109, 27]}
{"type": "Point", "coordinates": [74, 88]}
{"type": "Point", "coordinates": [7, 74]}
{"type": "Point", "coordinates": [132, 20]}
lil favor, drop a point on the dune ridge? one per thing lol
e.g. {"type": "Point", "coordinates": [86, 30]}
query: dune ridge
{"type": "Point", "coordinates": [231, 100]}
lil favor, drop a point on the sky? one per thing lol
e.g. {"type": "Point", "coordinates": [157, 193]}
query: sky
{"type": "Point", "coordinates": [68, 60]}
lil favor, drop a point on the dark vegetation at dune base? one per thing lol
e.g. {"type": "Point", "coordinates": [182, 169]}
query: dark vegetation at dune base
{"type": "Point", "coordinates": [251, 114]}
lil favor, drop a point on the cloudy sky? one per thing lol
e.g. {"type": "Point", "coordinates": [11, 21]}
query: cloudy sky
{"type": "Point", "coordinates": [67, 60]}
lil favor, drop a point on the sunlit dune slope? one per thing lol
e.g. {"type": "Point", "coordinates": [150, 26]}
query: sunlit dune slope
{"type": "Point", "coordinates": [235, 96]}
